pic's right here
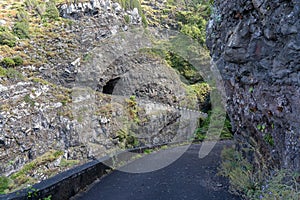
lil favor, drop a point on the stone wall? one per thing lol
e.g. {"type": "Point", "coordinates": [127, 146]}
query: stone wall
{"type": "Point", "coordinates": [68, 183]}
{"type": "Point", "coordinates": [256, 46]}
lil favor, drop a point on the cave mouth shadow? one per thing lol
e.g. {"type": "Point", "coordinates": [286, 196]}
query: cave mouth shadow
{"type": "Point", "coordinates": [109, 87]}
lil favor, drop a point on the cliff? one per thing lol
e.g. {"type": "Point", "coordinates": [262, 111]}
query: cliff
{"type": "Point", "coordinates": [256, 47]}
{"type": "Point", "coordinates": [86, 87]}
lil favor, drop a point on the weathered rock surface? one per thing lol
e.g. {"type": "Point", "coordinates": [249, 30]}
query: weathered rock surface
{"type": "Point", "coordinates": [96, 8]}
{"type": "Point", "coordinates": [78, 98]}
{"type": "Point", "coordinates": [89, 23]}
{"type": "Point", "coordinates": [256, 46]}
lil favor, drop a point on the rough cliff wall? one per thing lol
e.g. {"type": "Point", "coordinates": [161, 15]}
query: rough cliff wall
{"type": "Point", "coordinates": [256, 46]}
{"type": "Point", "coordinates": [76, 103]}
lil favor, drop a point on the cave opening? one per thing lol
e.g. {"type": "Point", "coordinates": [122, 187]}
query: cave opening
{"type": "Point", "coordinates": [108, 88]}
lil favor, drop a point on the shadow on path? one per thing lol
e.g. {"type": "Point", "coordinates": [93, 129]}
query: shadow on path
{"type": "Point", "coordinates": [189, 178]}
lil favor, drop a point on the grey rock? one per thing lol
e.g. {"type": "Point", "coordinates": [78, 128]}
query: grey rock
{"type": "Point", "coordinates": [3, 88]}
{"type": "Point", "coordinates": [96, 4]}
{"type": "Point", "coordinates": [135, 12]}
{"type": "Point", "coordinates": [260, 68]}
{"type": "Point", "coordinates": [2, 22]}
{"type": "Point", "coordinates": [116, 6]}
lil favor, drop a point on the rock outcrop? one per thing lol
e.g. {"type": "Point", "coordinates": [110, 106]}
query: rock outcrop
{"type": "Point", "coordinates": [256, 46]}
{"type": "Point", "coordinates": [90, 94]}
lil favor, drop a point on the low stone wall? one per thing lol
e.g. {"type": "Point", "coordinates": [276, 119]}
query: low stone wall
{"type": "Point", "coordinates": [64, 185]}
{"type": "Point", "coordinates": [68, 183]}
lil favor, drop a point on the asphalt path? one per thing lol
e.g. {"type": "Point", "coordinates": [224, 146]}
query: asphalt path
{"type": "Point", "coordinates": [189, 177]}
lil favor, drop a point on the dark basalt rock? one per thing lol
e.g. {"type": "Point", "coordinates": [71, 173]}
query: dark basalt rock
{"type": "Point", "coordinates": [256, 46]}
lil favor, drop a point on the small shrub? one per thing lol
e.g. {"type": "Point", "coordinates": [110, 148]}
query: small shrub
{"type": "Point", "coordinates": [58, 153]}
{"type": "Point", "coordinates": [12, 62]}
{"type": "Point", "coordinates": [42, 81]}
{"type": "Point", "coordinates": [48, 197]}
{"type": "Point", "coordinates": [30, 4]}
{"type": "Point", "coordinates": [22, 179]}
{"type": "Point", "coordinates": [21, 29]}
{"type": "Point", "coordinates": [14, 74]}
{"type": "Point", "coordinates": [202, 91]}
{"type": "Point", "coordinates": [281, 185]}
{"type": "Point", "coordinates": [41, 9]}
{"type": "Point", "coordinates": [186, 69]}
{"type": "Point", "coordinates": [239, 171]}
{"type": "Point", "coordinates": [4, 184]}
{"type": "Point", "coordinates": [269, 139]}
{"type": "Point", "coordinates": [193, 22]}
{"type": "Point", "coordinates": [28, 100]}
{"type": "Point", "coordinates": [51, 12]}
{"type": "Point", "coordinates": [144, 20]}
{"type": "Point", "coordinates": [3, 29]}
{"type": "Point", "coordinates": [131, 141]}
{"type": "Point", "coordinates": [2, 72]}
{"type": "Point", "coordinates": [126, 139]}
{"type": "Point", "coordinates": [133, 109]}
{"type": "Point", "coordinates": [87, 57]}
{"type": "Point", "coordinates": [227, 130]}
{"type": "Point", "coordinates": [253, 184]}
{"type": "Point", "coordinates": [127, 19]}
{"type": "Point", "coordinates": [148, 151]}
{"type": "Point", "coordinates": [8, 62]}
{"type": "Point", "coordinates": [22, 15]}
{"type": "Point", "coordinates": [18, 60]}
{"type": "Point", "coordinates": [68, 163]}
{"type": "Point", "coordinates": [33, 192]}
{"type": "Point", "coordinates": [6, 38]}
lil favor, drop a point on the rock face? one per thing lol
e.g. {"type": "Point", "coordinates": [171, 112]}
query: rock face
{"type": "Point", "coordinates": [256, 46]}
{"type": "Point", "coordinates": [78, 102]}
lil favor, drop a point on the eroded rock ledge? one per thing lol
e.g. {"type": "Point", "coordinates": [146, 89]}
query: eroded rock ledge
{"type": "Point", "coordinates": [256, 46]}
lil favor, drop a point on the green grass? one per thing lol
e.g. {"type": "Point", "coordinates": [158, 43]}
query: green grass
{"type": "Point", "coordinates": [148, 151]}
{"type": "Point", "coordinates": [281, 185]}
{"type": "Point", "coordinates": [42, 81]}
{"type": "Point", "coordinates": [21, 29]}
{"type": "Point", "coordinates": [189, 74]}
{"type": "Point", "coordinates": [7, 38]}
{"type": "Point", "coordinates": [127, 18]}
{"type": "Point", "coordinates": [52, 14]}
{"type": "Point", "coordinates": [204, 124]}
{"type": "Point", "coordinates": [22, 177]}
{"type": "Point", "coordinates": [254, 184]}
{"type": "Point", "coordinates": [164, 147]}
{"type": "Point", "coordinates": [127, 139]}
{"type": "Point", "coordinates": [8, 62]}
{"type": "Point", "coordinates": [239, 171]}
{"type": "Point", "coordinates": [68, 163]}
{"type": "Point", "coordinates": [14, 74]}
{"type": "Point", "coordinates": [133, 109]}
{"type": "Point", "coordinates": [4, 184]}
{"type": "Point", "coordinates": [18, 60]}
{"type": "Point", "coordinates": [12, 62]}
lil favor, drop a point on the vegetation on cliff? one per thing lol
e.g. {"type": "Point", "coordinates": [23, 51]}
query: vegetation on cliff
{"type": "Point", "coordinates": [252, 184]}
{"type": "Point", "coordinates": [35, 42]}
{"type": "Point", "coordinates": [250, 44]}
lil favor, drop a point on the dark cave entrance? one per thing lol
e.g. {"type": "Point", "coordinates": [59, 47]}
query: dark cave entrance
{"type": "Point", "coordinates": [108, 88]}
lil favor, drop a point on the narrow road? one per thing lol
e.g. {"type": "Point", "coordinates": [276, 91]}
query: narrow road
{"type": "Point", "coordinates": [188, 178]}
